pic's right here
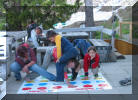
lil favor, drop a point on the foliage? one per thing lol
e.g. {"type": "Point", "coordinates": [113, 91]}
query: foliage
{"type": "Point", "coordinates": [105, 36]}
{"type": "Point", "coordinates": [45, 12]}
{"type": "Point", "coordinates": [125, 29]}
{"type": "Point", "coordinates": [2, 24]}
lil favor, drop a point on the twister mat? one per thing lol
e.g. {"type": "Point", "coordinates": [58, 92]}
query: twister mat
{"type": "Point", "coordinates": [42, 85]}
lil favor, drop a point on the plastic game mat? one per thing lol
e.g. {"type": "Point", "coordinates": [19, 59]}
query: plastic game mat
{"type": "Point", "coordinates": [42, 85]}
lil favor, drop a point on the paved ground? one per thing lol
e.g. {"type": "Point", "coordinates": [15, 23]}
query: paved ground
{"type": "Point", "coordinates": [113, 72]}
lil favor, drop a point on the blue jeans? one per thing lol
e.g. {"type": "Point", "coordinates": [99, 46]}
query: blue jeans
{"type": "Point", "coordinates": [72, 53]}
{"type": "Point", "coordinates": [16, 68]}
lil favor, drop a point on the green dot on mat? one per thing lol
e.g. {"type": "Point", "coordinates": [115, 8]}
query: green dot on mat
{"type": "Point", "coordinates": [82, 76]}
{"type": "Point", "coordinates": [69, 76]}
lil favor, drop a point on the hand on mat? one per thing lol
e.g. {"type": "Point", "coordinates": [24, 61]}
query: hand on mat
{"type": "Point", "coordinates": [71, 86]}
{"type": "Point", "coordinates": [85, 78]}
{"type": "Point", "coordinates": [25, 69]}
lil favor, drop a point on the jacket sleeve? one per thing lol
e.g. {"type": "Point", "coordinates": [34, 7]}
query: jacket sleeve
{"type": "Point", "coordinates": [85, 66]}
{"type": "Point", "coordinates": [58, 45]}
{"type": "Point", "coordinates": [34, 38]}
{"type": "Point", "coordinates": [96, 63]}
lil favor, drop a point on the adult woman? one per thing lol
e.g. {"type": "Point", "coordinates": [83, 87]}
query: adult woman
{"type": "Point", "coordinates": [26, 61]}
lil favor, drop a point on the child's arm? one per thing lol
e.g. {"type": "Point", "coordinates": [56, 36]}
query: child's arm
{"type": "Point", "coordinates": [67, 80]}
{"type": "Point", "coordinates": [96, 63]}
{"type": "Point", "coordinates": [66, 77]}
{"type": "Point", "coordinates": [86, 65]}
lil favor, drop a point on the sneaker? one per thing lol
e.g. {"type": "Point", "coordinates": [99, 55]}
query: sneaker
{"type": "Point", "coordinates": [125, 82]}
{"type": "Point", "coordinates": [32, 75]}
{"type": "Point", "coordinates": [96, 76]}
{"type": "Point", "coordinates": [18, 79]}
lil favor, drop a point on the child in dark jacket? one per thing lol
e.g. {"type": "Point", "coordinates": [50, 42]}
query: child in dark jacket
{"type": "Point", "coordinates": [91, 59]}
{"type": "Point", "coordinates": [74, 64]}
{"type": "Point", "coordinates": [65, 52]}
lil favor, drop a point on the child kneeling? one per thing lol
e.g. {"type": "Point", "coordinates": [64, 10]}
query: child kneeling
{"type": "Point", "coordinates": [91, 59]}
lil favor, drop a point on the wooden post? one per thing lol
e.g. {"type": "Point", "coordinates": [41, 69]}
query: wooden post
{"type": "Point", "coordinates": [130, 34]}
{"type": "Point", "coordinates": [90, 35]}
{"type": "Point", "coordinates": [120, 29]}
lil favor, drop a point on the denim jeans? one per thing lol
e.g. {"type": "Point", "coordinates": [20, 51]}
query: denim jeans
{"type": "Point", "coordinates": [16, 68]}
{"type": "Point", "coordinates": [72, 53]}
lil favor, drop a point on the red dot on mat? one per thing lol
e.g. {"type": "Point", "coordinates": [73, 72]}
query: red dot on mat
{"type": "Point", "coordinates": [102, 85]}
{"type": "Point", "coordinates": [42, 88]}
{"type": "Point", "coordinates": [57, 87]}
{"type": "Point", "coordinates": [87, 86]}
{"type": "Point", "coordinates": [26, 88]}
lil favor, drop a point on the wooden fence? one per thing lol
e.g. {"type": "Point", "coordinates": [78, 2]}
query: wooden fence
{"type": "Point", "coordinates": [130, 29]}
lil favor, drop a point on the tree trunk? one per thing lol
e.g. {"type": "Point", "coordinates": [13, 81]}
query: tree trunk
{"type": "Point", "coordinates": [89, 20]}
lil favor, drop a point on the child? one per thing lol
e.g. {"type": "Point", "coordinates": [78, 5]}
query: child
{"type": "Point", "coordinates": [75, 66]}
{"type": "Point", "coordinates": [65, 51]}
{"type": "Point", "coordinates": [73, 63]}
{"type": "Point", "coordinates": [91, 59]}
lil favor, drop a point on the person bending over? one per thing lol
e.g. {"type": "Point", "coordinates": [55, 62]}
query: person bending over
{"type": "Point", "coordinates": [26, 61]}
{"type": "Point", "coordinates": [65, 51]}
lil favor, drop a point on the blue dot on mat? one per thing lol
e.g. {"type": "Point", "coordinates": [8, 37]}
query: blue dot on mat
{"type": "Point", "coordinates": [42, 84]}
{"type": "Point", "coordinates": [72, 83]}
{"type": "Point", "coordinates": [99, 81]}
{"type": "Point", "coordinates": [86, 82]}
{"type": "Point", "coordinates": [30, 84]}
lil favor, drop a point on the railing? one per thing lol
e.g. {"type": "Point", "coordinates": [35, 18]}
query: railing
{"type": "Point", "coordinates": [86, 29]}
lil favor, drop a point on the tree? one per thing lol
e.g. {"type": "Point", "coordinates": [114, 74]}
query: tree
{"type": "Point", "coordinates": [89, 20]}
{"type": "Point", "coordinates": [45, 12]}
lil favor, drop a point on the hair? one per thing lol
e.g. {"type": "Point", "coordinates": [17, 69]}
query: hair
{"type": "Point", "coordinates": [21, 51]}
{"type": "Point", "coordinates": [91, 48]}
{"type": "Point", "coordinates": [51, 33]}
{"type": "Point", "coordinates": [38, 28]}
{"type": "Point", "coordinates": [32, 21]}
{"type": "Point", "coordinates": [76, 62]}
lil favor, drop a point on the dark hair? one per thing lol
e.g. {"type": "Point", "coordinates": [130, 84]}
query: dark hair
{"type": "Point", "coordinates": [76, 62]}
{"type": "Point", "coordinates": [38, 28]}
{"type": "Point", "coordinates": [51, 33]}
{"type": "Point", "coordinates": [32, 21]}
{"type": "Point", "coordinates": [21, 51]}
{"type": "Point", "coordinates": [91, 48]}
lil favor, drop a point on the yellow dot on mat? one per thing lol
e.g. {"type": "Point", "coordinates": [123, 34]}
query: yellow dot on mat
{"type": "Point", "coordinates": [98, 78]}
{"type": "Point", "coordinates": [30, 82]}
{"type": "Point", "coordinates": [84, 79]}
{"type": "Point", "coordinates": [44, 81]}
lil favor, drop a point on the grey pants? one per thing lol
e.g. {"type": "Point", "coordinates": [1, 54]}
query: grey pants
{"type": "Point", "coordinates": [48, 57]}
{"type": "Point", "coordinates": [94, 71]}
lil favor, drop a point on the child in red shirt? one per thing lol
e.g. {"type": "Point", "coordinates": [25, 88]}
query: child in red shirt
{"type": "Point", "coordinates": [91, 59]}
